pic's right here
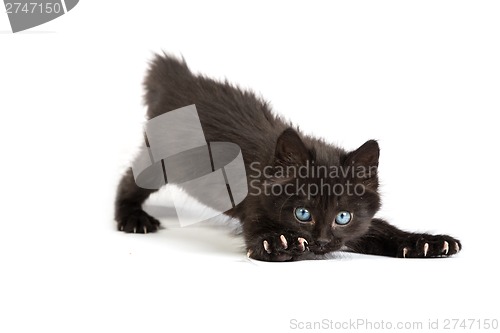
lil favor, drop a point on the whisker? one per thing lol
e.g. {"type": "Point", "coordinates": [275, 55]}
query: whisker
{"type": "Point", "coordinates": [281, 208]}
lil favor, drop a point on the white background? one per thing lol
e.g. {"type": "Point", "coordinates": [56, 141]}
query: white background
{"type": "Point", "coordinates": [421, 77]}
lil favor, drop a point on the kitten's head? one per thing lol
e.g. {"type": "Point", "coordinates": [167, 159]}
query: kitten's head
{"type": "Point", "coordinates": [322, 192]}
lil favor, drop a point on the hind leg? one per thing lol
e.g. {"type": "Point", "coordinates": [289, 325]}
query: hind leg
{"type": "Point", "coordinates": [128, 207]}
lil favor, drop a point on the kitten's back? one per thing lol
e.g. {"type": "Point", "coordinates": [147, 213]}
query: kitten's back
{"type": "Point", "coordinates": [226, 112]}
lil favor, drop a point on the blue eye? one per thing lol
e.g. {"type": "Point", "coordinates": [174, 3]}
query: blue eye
{"type": "Point", "coordinates": [343, 217]}
{"type": "Point", "coordinates": [302, 214]}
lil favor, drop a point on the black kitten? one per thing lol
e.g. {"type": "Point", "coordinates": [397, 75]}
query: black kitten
{"type": "Point", "coordinates": [305, 196]}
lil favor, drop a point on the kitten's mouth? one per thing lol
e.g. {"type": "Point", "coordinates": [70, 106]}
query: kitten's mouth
{"type": "Point", "coordinates": [320, 249]}
{"type": "Point", "coordinates": [323, 249]}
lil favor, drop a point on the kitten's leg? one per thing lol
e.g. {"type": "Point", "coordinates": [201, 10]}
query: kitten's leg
{"type": "Point", "coordinates": [273, 242]}
{"type": "Point", "coordinates": [128, 207]}
{"type": "Point", "coordinates": [387, 240]}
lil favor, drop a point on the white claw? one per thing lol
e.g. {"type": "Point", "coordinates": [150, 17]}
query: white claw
{"type": "Point", "coordinates": [405, 252]}
{"type": "Point", "coordinates": [266, 246]}
{"type": "Point", "coordinates": [121, 228]}
{"type": "Point", "coordinates": [457, 247]}
{"type": "Point", "coordinates": [446, 247]}
{"type": "Point", "coordinates": [135, 230]}
{"type": "Point", "coordinates": [426, 248]}
{"type": "Point", "coordinates": [302, 243]}
{"type": "Point", "coordinates": [284, 242]}
{"type": "Point", "coordinates": [249, 253]}
{"type": "Point", "coordinates": [145, 229]}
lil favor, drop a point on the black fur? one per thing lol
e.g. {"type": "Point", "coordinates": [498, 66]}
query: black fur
{"type": "Point", "coordinates": [271, 231]}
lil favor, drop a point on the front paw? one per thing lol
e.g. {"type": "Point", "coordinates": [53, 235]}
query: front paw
{"type": "Point", "coordinates": [284, 246]}
{"type": "Point", "coordinates": [428, 246]}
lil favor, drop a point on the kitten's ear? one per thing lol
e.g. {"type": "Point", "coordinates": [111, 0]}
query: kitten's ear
{"type": "Point", "coordinates": [365, 161]}
{"type": "Point", "coordinates": [290, 150]}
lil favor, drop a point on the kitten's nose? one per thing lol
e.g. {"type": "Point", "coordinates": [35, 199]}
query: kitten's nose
{"type": "Point", "coordinates": [322, 242]}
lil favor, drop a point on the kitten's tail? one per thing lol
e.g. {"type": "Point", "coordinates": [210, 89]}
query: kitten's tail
{"type": "Point", "coordinates": [167, 78]}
